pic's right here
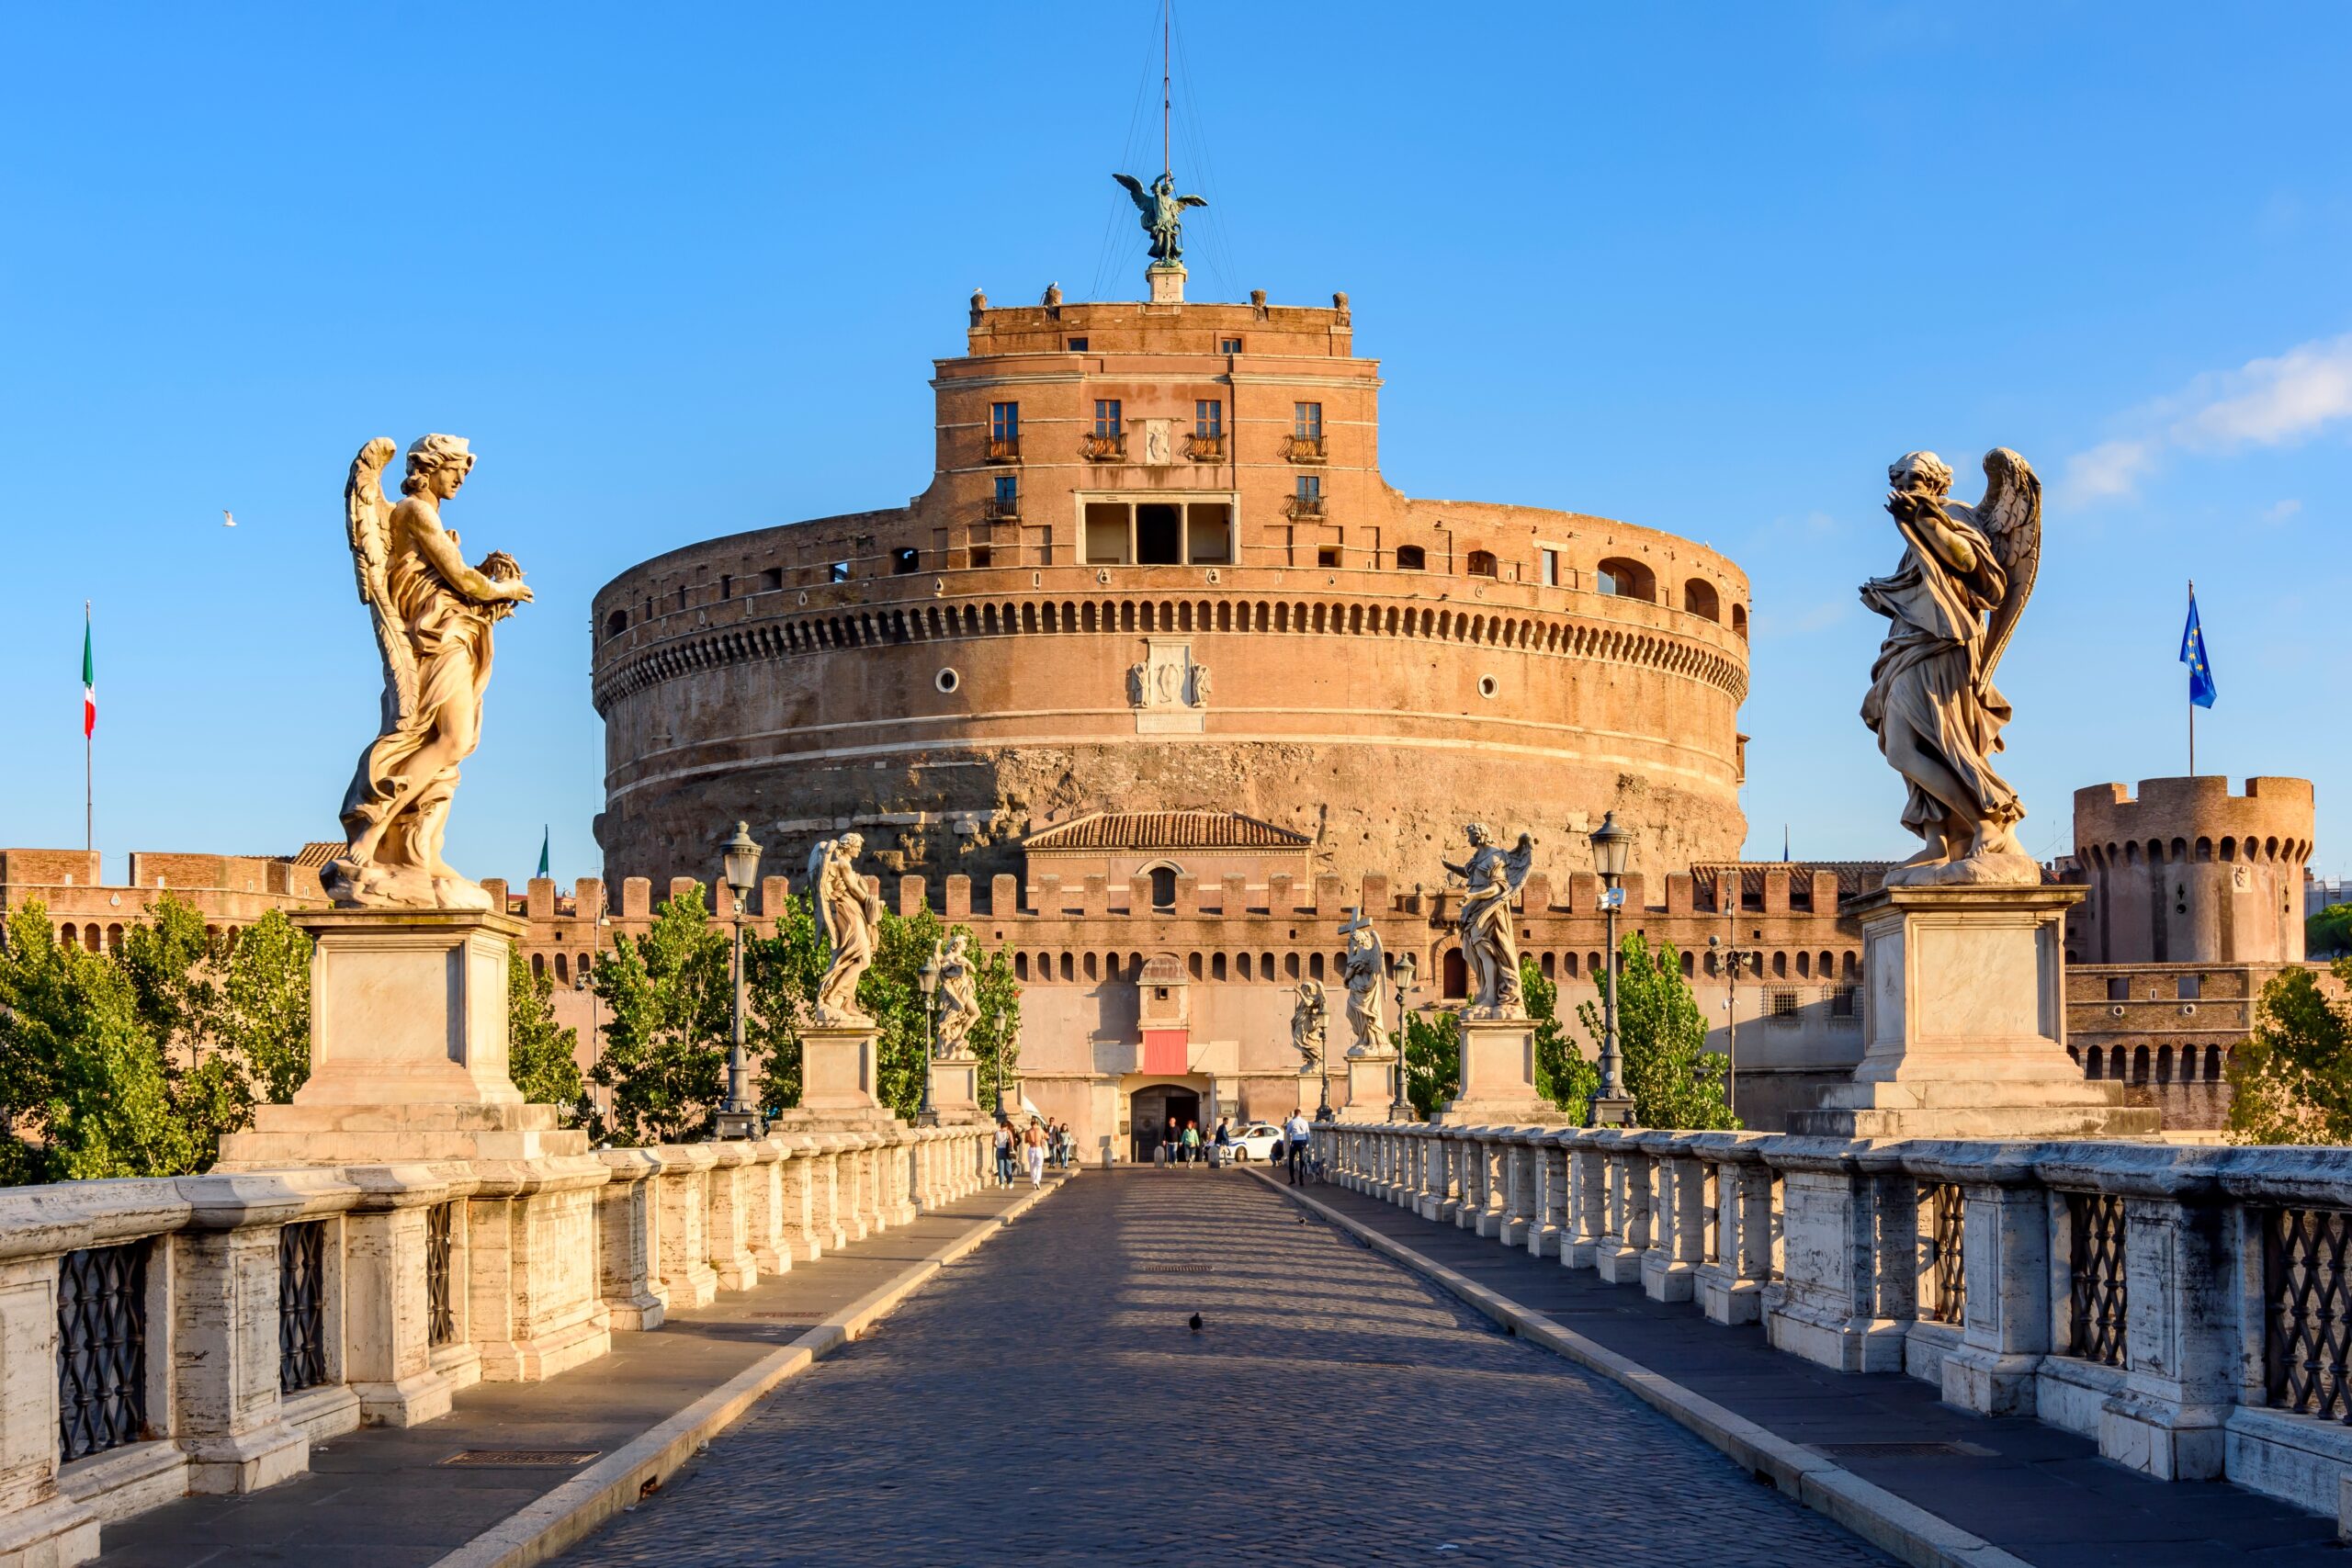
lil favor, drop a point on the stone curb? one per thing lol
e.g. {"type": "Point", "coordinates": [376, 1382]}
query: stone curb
{"type": "Point", "coordinates": [573, 1510]}
{"type": "Point", "coordinates": [1878, 1516]}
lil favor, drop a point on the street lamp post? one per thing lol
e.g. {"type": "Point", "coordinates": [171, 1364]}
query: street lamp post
{"type": "Point", "coordinates": [929, 979]}
{"type": "Point", "coordinates": [1732, 962]}
{"type": "Point", "coordinates": [1611, 848]}
{"type": "Point", "coordinates": [740, 1118]}
{"type": "Point", "coordinates": [1402, 969]}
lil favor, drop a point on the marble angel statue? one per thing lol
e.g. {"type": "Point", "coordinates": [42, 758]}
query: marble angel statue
{"type": "Point", "coordinates": [959, 999]}
{"type": "Point", "coordinates": [1365, 970]}
{"type": "Point", "coordinates": [433, 615]}
{"type": "Point", "coordinates": [848, 913]}
{"type": "Point", "coordinates": [1489, 938]}
{"type": "Point", "coordinates": [1954, 604]}
{"type": "Point", "coordinates": [1308, 1016]}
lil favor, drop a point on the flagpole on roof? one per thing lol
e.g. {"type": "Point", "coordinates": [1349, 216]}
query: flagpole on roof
{"type": "Point", "coordinates": [89, 756]}
{"type": "Point", "coordinates": [2192, 692]}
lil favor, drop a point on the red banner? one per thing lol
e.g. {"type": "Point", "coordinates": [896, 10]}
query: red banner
{"type": "Point", "coordinates": [1166, 1051]}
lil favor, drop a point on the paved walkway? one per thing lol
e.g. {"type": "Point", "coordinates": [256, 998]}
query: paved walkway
{"type": "Point", "coordinates": [381, 1499]}
{"type": "Point", "coordinates": [1044, 1403]}
{"type": "Point", "coordinates": [2033, 1490]}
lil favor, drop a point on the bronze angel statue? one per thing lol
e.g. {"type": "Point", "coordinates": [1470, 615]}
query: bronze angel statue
{"type": "Point", "coordinates": [1954, 603]}
{"type": "Point", "coordinates": [1489, 938]}
{"type": "Point", "coordinates": [433, 615]}
{"type": "Point", "coordinates": [1162, 213]}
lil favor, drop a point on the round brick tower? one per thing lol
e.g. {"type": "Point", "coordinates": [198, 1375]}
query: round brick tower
{"type": "Point", "coordinates": [2190, 873]}
{"type": "Point", "coordinates": [1158, 569]}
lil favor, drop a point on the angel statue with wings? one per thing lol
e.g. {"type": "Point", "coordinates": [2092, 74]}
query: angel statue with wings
{"type": "Point", "coordinates": [959, 998]}
{"type": "Point", "coordinates": [1307, 1017]}
{"type": "Point", "coordinates": [433, 615]}
{"type": "Point", "coordinates": [1954, 603]}
{"type": "Point", "coordinates": [1364, 968]}
{"type": "Point", "coordinates": [848, 913]}
{"type": "Point", "coordinates": [1489, 939]}
{"type": "Point", "coordinates": [1162, 214]}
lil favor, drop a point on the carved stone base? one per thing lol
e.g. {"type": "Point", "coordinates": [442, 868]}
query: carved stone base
{"type": "Point", "coordinates": [1964, 1020]}
{"type": "Point", "coordinates": [955, 1091]}
{"type": "Point", "coordinates": [1167, 280]}
{"type": "Point", "coordinates": [1371, 1080]}
{"type": "Point", "coordinates": [1499, 1079]}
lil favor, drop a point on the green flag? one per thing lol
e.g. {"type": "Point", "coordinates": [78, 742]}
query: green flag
{"type": "Point", "coordinates": [544, 838]}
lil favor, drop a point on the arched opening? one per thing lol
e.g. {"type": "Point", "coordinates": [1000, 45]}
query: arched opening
{"type": "Point", "coordinates": [1456, 976]}
{"type": "Point", "coordinates": [1739, 621]}
{"type": "Point", "coordinates": [1626, 579]}
{"type": "Point", "coordinates": [1481, 564]}
{"type": "Point", "coordinates": [1163, 886]}
{"type": "Point", "coordinates": [1411, 557]}
{"type": "Point", "coordinates": [1158, 1114]}
{"type": "Point", "coordinates": [1699, 598]}
{"type": "Point", "coordinates": [616, 623]}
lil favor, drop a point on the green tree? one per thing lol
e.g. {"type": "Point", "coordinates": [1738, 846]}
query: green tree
{"type": "Point", "coordinates": [890, 993]}
{"type": "Point", "coordinates": [2329, 932]}
{"type": "Point", "coordinates": [542, 1056]}
{"type": "Point", "coordinates": [667, 1014]}
{"type": "Point", "coordinates": [1662, 1040]}
{"type": "Point", "coordinates": [263, 1014]}
{"type": "Point", "coordinates": [2291, 1081]}
{"type": "Point", "coordinates": [1562, 1075]}
{"type": "Point", "coordinates": [1432, 1047]}
{"type": "Point", "coordinates": [996, 1032]}
{"type": "Point", "coordinates": [780, 976]}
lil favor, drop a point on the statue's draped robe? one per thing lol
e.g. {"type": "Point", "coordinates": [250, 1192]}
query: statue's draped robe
{"type": "Point", "coordinates": [1929, 681]}
{"type": "Point", "coordinates": [449, 638]}
{"type": "Point", "coordinates": [1490, 942]}
{"type": "Point", "coordinates": [849, 929]}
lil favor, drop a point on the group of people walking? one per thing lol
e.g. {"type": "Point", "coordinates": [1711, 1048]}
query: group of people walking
{"type": "Point", "coordinates": [1031, 1148]}
{"type": "Point", "coordinates": [1182, 1143]}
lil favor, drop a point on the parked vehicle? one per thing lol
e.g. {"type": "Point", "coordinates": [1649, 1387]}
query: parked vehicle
{"type": "Point", "coordinates": [1258, 1141]}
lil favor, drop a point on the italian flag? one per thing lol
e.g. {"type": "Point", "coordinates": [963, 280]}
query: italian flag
{"type": "Point", "coordinates": [89, 681]}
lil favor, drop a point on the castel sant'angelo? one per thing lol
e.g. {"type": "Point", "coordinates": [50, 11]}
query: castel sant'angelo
{"type": "Point", "coordinates": [1159, 687]}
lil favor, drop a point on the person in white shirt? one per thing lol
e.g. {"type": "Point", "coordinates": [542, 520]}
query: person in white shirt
{"type": "Point", "coordinates": [1298, 1131]}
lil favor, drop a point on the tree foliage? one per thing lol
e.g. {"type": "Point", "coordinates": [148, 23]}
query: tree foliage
{"type": "Point", "coordinates": [666, 1019]}
{"type": "Point", "coordinates": [1562, 1075]}
{"type": "Point", "coordinates": [541, 1056]}
{"type": "Point", "coordinates": [2329, 933]}
{"type": "Point", "coordinates": [1433, 1046]}
{"type": "Point", "coordinates": [2291, 1082]}
{"type": "Point", "coordinates": [1674, 1079]}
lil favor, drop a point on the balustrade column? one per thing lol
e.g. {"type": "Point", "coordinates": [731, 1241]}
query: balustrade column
{"type": "Point", "coordinates": [764, 1206]}
{"type": "Point", "coordinates": [1442, 1202]}
{"type": "Point", "coordinates": [627, 1240]}
{"type": "Point", "coordinates": [389, 1359]}
{"type": "Point", "coordinates": [2004, 1318]}
{"type": "Point", "coordinates": [1519, 1189]}
{"type": "Point", "coordinates": [1587, 1201]}
{"type": "Point", "coordinates": [683, 1192]}
{"type": "Point", "coordinates": [1838, 1278]}
{"type": "Point", "coordinates": [1678, 1230]}
{"type": "Point", "coordinates": [1618, 1256]}
{"type": "Point", "coordinates": [1547, 1204]}
{"type": "Point", "coordinates": [729, 1231]}
{"type": "Point", "coordinates": [1478, 1181]}
{"type": "Point", "coordinates": [1731, 1279]}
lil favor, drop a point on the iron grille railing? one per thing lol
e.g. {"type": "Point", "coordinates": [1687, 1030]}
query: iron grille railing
{"type": "Point", "coordinates": [101, 1349]}
{"type": "Point", "coordinates": [1944, 1208]}
{"type": "Point", "coordinates": [1204, 448]}
{"type": "Point", "coordinates": [2307, 1317]}
{"type": "Point", "coordinates": [1004, 448]}
{"type": "Point", "coordinates": [1302, 448]}
{"type": "Point", "coordinates": [2096, 1291]}
{"type": "Point", "coordinates": [1299, 506]}
{"type": "Point", "coordinates": [440, 1222]}
{"type": "Point", "coordinates": [301, 1306]}
{"type": "Point", "coordinates": [1103, 448]}
{"type": "Point", "coordinates": [1000, 509]}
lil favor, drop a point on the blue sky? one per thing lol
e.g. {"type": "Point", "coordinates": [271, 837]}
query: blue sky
{"type": "Point", "coordinates": [1705, 268]}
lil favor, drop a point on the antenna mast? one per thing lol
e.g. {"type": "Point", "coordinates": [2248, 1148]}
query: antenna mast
{"type": "Point", "coordinates": [1167, 15]}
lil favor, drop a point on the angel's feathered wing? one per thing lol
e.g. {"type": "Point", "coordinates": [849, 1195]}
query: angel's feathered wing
{"type": "Point", "coordinates": [1519, 861]}
{"type": "Point", "coordinates": [1192, 201]}
{"type": "Point", "coordinates": [818, 857]}
{"type": "Point", "coordinates": [369, 518]}
{"type": "Point", "coordinates": [2010, 515]}
{"type": "Point", "coordinates": [1135, 189]}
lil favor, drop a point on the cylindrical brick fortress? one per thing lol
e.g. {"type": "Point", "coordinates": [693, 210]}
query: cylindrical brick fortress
{"type": "Point", "coordinates": [2189, 873]}
{"type": "Point", "coordinates": [1156, 569]}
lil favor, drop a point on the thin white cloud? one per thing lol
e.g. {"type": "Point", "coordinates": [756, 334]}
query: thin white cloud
{"type": "Point", "coordinates": [2280, 511]}
{"type": "Point", "coordinates": [2265, 403]}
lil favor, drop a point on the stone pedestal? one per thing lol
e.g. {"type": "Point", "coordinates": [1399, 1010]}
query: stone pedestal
{"type": "Point", "coordinates": [1499, 1079]}
{"type": "Point", "coordinates": [1167, 280]}
{"type": "Point", "coordinates": [955, 1091]}
{"type": "Point", "coordinates": [1372, 1082]}
{"type": "Point", "coordinates": [1964, 1024]}
{"type": "Point", "coordinates": [838, 1075]}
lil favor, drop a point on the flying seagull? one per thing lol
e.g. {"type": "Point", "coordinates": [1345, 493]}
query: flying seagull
{"type": "Point", "coordinates": [228, 520]}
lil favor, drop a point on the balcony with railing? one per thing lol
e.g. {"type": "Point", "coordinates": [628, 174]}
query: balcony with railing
{"type": "Point", "coordinates": [1000, 509]}
{"type": "Point", "coordinates": [1206, 447]}
{"type": "Point", "coordinates": [1303, 448]}
{"type": "Point", "coordinates": [1004, 448]}
{"type": "Point", "coordinates": [1101, 447]}
{"type": "Point", "coordinates": [1298, 507]}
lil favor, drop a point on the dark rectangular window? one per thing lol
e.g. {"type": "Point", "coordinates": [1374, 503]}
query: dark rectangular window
{"type": "Point", "coordinates": [1008, 489]}
{"type": "Point", "coordinates": [906, 561]}
{"type": "Point", "coordinates": [1004, 421]}
{"type": "Point", "coordinates": [1306, 421]}
{"type": "Point", "coordinates": [2188, 986]}
{"type": "Point", "coordinates": [771, 579]}
{"type": "Point", "coordinates": [1208, 417]}
{"type": "Point", "coordinates": [1228, 346]}
{"type": "Point", "coordinates": [837, 572]}
{"type": "Point", "coordinates": [2119, 989]}
{"type": "Point", "coordinates": [1078, 346]}
{"type": "Point", "coordinates": [726, 587]}
{"type": "Point", "coordinates": [980, 555]}
{"type": "Point", "coordinates": [1106, 416]}
{"type": "Point", "coordinates": [1326, 555]}
{"type": "Point", "coordinates": [1310, 487]}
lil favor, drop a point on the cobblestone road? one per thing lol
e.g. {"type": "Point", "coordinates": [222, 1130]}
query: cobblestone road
{"type": "Point", "coordinates": [1046, 1402]}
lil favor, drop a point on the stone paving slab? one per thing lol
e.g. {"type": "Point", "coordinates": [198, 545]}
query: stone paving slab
{"type": "Point", "coordinates": [1047, 1404]}
{"type": "Point", "coordinates": [2042, 1495]}
{"type": "Point", "coordinates": [384, 1498]}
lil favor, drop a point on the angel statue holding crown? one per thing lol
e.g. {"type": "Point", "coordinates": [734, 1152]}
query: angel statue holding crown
{"type": "Point", "coordinates": [1489, 939]}
{"type": "Point", "coordinates": [433, 615]}
{"type": "Point", "coordinates": [1954, 603]}
{"type": "Point", "coordinates": [848, 913]}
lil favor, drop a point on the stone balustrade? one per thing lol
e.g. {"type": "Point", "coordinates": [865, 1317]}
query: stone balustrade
{"type": "Point", "coordinates": [198, 1334]}
{"type": "Point", "coordinates": [2189, 1309]}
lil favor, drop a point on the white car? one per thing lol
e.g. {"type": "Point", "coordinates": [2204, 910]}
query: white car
{"type": "Point", "coordinates": [1257, 1140]}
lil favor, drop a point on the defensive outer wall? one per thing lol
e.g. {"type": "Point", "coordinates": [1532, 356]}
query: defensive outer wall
{"type": "Point", "coordinates": [1156, 567]}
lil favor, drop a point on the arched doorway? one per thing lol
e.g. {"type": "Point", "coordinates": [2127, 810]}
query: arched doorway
{"type": "Point", "coordinates": [1151, 1110]}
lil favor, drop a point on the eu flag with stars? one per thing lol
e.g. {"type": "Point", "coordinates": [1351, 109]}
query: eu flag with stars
{"type": "Point", "coordinates": [2202, 690]}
